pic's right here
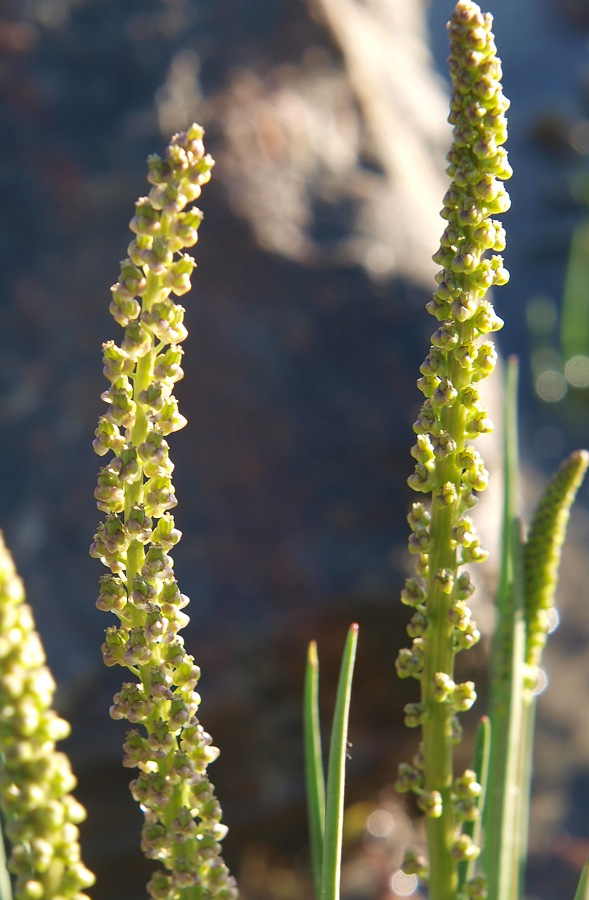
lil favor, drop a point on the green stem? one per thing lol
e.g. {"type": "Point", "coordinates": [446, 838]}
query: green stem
{"type": "Point", "coordinates": [440, 656]}
{"type": "Point", "coordinates": [142, 379]}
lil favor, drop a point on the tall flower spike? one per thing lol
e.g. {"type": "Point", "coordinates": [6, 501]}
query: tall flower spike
{"type": "Point", "coordinates": [182, 826]}
{"type": "Point", "coordinates": [542, 552]}
{"type": "Point", "coordinates": [448, 467]}
{"type": "Point", "coordinates": [36, 780]}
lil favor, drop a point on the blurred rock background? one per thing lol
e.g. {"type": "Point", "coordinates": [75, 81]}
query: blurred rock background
{"type": "Point", "coordinates": [307, 326]}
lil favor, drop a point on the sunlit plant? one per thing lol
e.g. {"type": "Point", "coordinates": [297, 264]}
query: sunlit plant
{"type": "Point", "coordinates": [476, 820]}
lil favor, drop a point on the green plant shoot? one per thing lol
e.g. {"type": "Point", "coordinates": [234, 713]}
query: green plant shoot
{"type": "Point", "coordinates": [448, 467]}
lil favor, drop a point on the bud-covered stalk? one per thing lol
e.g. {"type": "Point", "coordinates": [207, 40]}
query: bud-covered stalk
{"type": "Point", "coordinates": [36, 780]}
{"type": "Point", "coordinates": [448, 467]}
{"type": "Point", "coordinates": [170, 748]}
{"type": "Point", "coordinates": [542, 553]}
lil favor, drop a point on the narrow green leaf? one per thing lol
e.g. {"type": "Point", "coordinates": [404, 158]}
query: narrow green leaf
{"type": "Point", "coordinates": [583, 886]}
{"type": "Point", "coordinates": [480, 765]}
{"type": "Point", "coordinates": [314, 777]}
{"type": "Point", "coordinates": [501, 817]}
{"type": "Point", "coordinates": [334, 806]}
{"type": "Point", "coordinates": [525, 780]}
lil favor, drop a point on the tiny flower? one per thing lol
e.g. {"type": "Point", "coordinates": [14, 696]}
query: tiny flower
{"type": "Point", "coordinates": [465, 849]}
{"type": "Point", "coordinates": [431, 803]}
{"type": "Point", "coordinates": [408, 779]}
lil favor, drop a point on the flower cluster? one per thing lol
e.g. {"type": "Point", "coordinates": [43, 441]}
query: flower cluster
{"type": "Point", "coordinates": [182, 826]}
{"type": "Point", "coordinates": [36, 780]}
{"type": "Point", "coordinates": [448, 467]}
{"type": "Point", "coordinates": [542, 552]}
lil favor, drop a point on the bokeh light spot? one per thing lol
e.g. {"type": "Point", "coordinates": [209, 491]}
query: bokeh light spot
{"type": "Point", "coordinates": [577, 371]}
{"type": "Point", "coordinates": [404, 885]}
{"type": "Point", "coordinates": [380, 823]}
{"type": "Point", "coordinates": [551, 386]}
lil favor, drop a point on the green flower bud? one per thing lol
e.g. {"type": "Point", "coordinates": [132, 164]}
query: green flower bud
{"type": "Point", "coordinates": [463, 696]}
{"type": "Point", "coordinates": [159, 495]}
{"type": "Point", "coordinates": [414, 713]}
{"type": "Point", "coordinates": [138, 524]}
{"type": "Point", "coordinates": [415, 864]}
{"type": "Point", "coordinates": [137, 340]}
{"type": "Point", "coordinates": [409, 664]}
{"type": "Point", "coordinates": [167, 366]}
{"type": "Point", "coordinates": [117, 363]}
{"type": "Point", "coordinates": [124, 308]}
{"type": "Point", "coordinates": [169, 419]}
{"type": "Point", "coordinates": [178, 275]}
{"type": "Point", "coordinates": [121, 411]}
{"type": "Point", "coordinates": [166, 534]}
{"type": "Point", "coordinates": [465, 849]}
{"type": "Point", "coordinates": [107, 437]}
{"type": "Point", "coordinates": [186, 226]}
{"type": "Point", "coordinates": [113, 594]}
{"type": "Point", "coordinates": [408, 779]}
{"type": "Point", "coordinates": [443, 687]}
{"type": "Point", "coordinates": [431, 803]}
{"type": "Point", "coordinates": [146, 219]}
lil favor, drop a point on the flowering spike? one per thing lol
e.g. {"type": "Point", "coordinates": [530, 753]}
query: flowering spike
{"type": "Point", "coordinates": [542, 552]}
{"type": "Point", "coordinates": [182, 826]}
{"type": "Point", "coordinates": [447, 466]}
{"type": "Point", "coordinates": [36, 780]}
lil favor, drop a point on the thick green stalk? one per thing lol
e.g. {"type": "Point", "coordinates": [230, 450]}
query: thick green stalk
{"type": "Point", "coordinates": [448, 466]}
{"type": "Point", "coordinates": [438, 717]}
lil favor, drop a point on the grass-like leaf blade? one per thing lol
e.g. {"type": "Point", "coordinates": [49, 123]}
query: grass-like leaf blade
{"type": "Point", "coordinates": [583, 886]}
{"type": "Point", "coordinates": [502, 816]}
{"type": "Point", "coordinates": [314, 776]}
{"type": "Point", "coordinates": [334, 805]}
